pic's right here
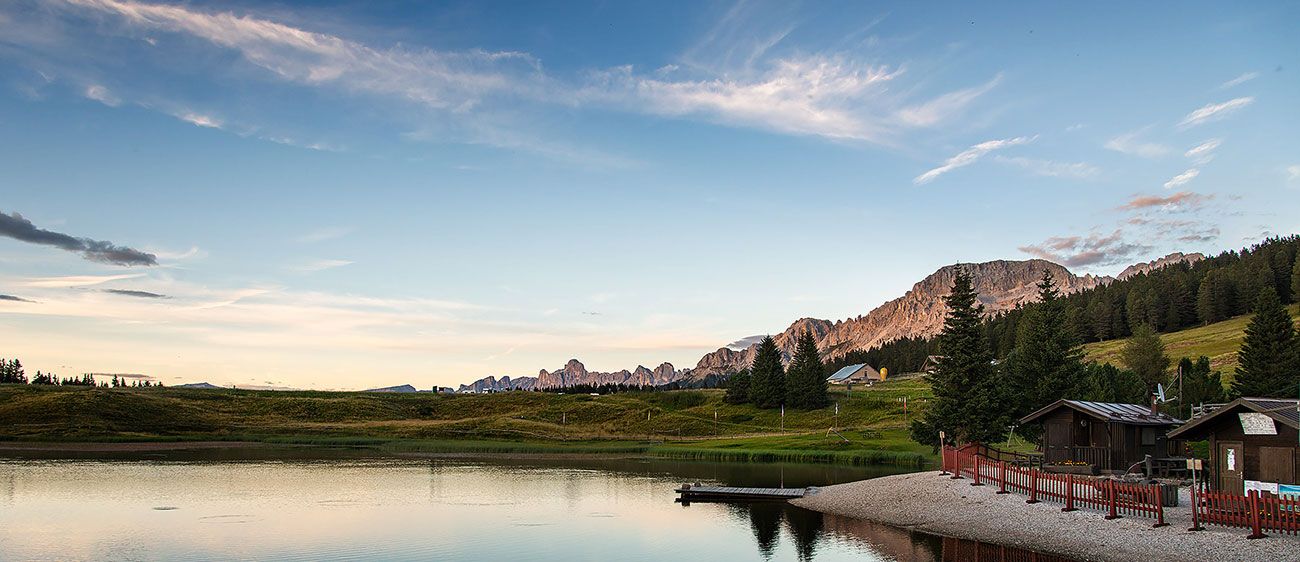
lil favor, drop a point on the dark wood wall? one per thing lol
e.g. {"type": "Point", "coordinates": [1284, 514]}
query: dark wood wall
{"type": "Point", "coordinates": [1227, 428]}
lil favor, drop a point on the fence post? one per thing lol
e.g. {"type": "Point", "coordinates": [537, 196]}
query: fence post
{"type": "Point", "coordinates": [977, 472]}
{"type": "Point", "coordinates": [1002, 477]}
{"type": "Point", "coordinates": [943, 460]}
{"type": "Point", "coordinates": [1159, 493]}
{"type": "Point", "coordinates": [1069, 493]}
{"type": "Point", "coordinates": [1113, 499]}
{"type": "Point", "coordinates": [1033, 486]}
{"type": "Point", "coordinates": [956, 469]}
{"type": "Point", "coordinates": [1196, 507]}
{"type": "Point", "coordinates": [1255, 531]}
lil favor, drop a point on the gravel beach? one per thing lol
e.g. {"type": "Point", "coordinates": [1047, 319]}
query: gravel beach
{"type": "Point", "coordinates": [937, 504]}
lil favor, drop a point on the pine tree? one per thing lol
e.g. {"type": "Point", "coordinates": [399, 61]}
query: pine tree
{"type": "Point", "coordinates": [967, 400]}
{"type": "Point", "coordinates": [1106, 383]}
{"type": "Point", "coordinates": [738, 388]}
{"type": "Point", "coordinates": [1295, 281]}
{"type": "Point", "coordinates": [1144, 354]}
{"type": "Point", "coordinates": [806, 379]}
{"type": "Point", "coordinates": [1047, 363]}
{"type": "Point", "coordinates": [1200, 384]}
{"type": "Point", "coordinates": [1269, 360]}
{"type": "Point", "coordinates": [767, 376]}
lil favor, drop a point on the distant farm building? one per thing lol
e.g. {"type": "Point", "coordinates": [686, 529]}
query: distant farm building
{"type": "Point", "coordinates": [1104, 435]}
{"type": "Point", "coordinates": [1253, 444]}
{"type": "Point", "coordinates": [931, 364]}
{"type": "Point", "coordinates": [855, 374]}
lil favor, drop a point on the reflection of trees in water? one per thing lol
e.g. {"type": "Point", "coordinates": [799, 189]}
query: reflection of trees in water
{"type": "Point", "coordinates": [806, 527]}
{"type": "Point", "coordinates": [765, 519]}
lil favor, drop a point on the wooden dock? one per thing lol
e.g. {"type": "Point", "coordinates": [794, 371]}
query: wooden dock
{"type": "Point", "coordinates": [698, 493]}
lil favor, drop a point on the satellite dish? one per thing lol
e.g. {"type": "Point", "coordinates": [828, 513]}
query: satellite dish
{"type": "Point", "coordinates": [1160, 393]}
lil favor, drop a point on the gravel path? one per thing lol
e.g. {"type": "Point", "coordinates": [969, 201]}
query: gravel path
{"type": "Point", "coordinates": [936, 504]}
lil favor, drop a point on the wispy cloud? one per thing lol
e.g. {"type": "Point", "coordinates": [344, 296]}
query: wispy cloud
{"type": "Point", "coordinates": [1051, 168]}
{"type": "Point", "coordinates": [68, 281]}
{"type": "Point", "coordinates": [319, 265]}
{"type": "Point", "coordinates": [199, 119]}
{"type": "Point", "coordinates": [136, 294]}
{"type": "Point", "coordinates": [1185, 200]}
{"type": "Point", "coordinates": [1092, 250]}
{"type": "Point", "coordinates": [1214, 112]}
{"type": "Point", "coordinates": [102, 95]}
{"type": "Point", "coordinates": [940, 109]}
{"type": "Point", "coordinates": [12, 298]}
{"type": "Point", "coordinates": [1239, 80]}
{"type": "Point", "coordinates": [15, 226]}
{"type": "Point", "coordinates": [1183, 178]}
{"type": "Point", "coordinates": [1293, 173]}
{"type": "Point", "coordinates": [1128, 143]}
{"type": "Point", "coordinates": [1201, 154]}
{"type": "Point", "coordinates": [969, 156]}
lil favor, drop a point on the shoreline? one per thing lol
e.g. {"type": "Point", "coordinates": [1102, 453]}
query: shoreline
{"type": "Point", "coordinates": [931, 503]}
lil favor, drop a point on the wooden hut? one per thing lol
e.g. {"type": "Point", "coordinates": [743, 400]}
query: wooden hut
{"type": "Point", "coordinates": [1105, 435]}
{"type": "Point", "coordinates": [1254, 443]}
{"type": "Point", "coordinates": [855, 374]}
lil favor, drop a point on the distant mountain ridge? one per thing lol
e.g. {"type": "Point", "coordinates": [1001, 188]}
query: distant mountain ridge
{"type": "Point", "coordinates": [1001, 285]}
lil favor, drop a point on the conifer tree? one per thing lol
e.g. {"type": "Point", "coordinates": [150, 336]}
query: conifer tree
{"type": "Point", "coordinates": [767, 376]}
{"type": "Point", "coordinates": [967, 399]}
{"type": "Point", "coordinates": [738, 388]}
{"type": "Point", "coordinates": [806, 379]}
{"type": "Point", "coordinates": [1144, 354]}
{"type": "Point", "coordinates": [1200, 384]}
{"type": "Point", "coordinates": [1268, 362]}
{"type": "Point", "coordinates": [1047, 363]}
{"type": "Point", "coordinates": [1106, 383]}
{"type": "Point", "coordinates": [1295, 281]}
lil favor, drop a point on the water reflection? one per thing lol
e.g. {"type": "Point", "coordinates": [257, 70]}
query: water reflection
{"type": "Point", "coordinates": [325, 505]}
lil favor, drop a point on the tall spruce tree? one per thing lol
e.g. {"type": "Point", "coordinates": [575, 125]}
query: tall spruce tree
{"type": "Point", "coordinates": [806, 378]}
{"type": "Point", "coordinates": [967, 395]}
{"type": "Point", "coordinates": [1047, 363]}
{"type": "Point", "coordinates": [1295, 281]}
{"type": "Point", "coordinates": [1268, 362]}
{"type": "Point", "coordinates": [1144, 354]}
{"type": "Point", "coordinates": [767, 376]}
{"type": "Point", "coordinates": [1200, 384]}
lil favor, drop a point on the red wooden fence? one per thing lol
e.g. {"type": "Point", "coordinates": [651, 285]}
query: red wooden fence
{"type": "Point", "coordinates": [1114, 498]}
{"type": "Point", "coordinates": [1253, 511]}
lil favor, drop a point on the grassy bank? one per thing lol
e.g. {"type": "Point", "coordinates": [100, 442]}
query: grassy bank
{"type": "Point", "coordinates": [681, 424]}
{"type": "Point", "coordinates": [1219, 341]}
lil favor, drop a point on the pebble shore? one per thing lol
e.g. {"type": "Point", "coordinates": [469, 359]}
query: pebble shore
{"type": "Point", "coordinates": [936, 504]}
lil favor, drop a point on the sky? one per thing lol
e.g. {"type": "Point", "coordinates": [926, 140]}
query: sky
{"type": "Point", "coordinates": [344, 195]}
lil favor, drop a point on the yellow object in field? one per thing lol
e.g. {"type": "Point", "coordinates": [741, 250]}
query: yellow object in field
{"type": "Point", "coordinates": [884, 373]}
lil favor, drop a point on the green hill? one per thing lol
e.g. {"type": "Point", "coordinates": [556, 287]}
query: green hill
{"type": "Point", "coordinates": [676, 423]}
{"type": "Point", "coordinates": [1219, 341]}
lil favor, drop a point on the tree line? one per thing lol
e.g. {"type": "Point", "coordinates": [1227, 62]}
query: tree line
{"type": "Point", "coordinates": [979, 394]}
{"type": "Point", "coordinates": [12, 372]}
{"type": "Point", "coordinates": [769, 384]}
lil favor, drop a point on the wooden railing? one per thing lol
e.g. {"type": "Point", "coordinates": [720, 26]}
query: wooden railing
{"type": "Point", "coordinates": [1252, 511]}
{"type": "Point", "coordinates": [1096, 456]}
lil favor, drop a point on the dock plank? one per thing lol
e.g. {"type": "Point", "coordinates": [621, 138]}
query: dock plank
{"type": "Point", "coordinates": [733, 493]}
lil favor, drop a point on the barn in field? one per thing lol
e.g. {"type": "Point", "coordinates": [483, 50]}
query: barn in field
{"type": "Point", "coordinates": [1105, 435]}
{"type": "Point", "coordinates": [1254, 444]}
{"type": "Point", "coordinates": [855, 374]}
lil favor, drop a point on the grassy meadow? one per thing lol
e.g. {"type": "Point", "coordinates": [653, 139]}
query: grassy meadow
{"type": "Point", "coordinates": [679, 424]}
{"type": "Point", "coordinates": [1219, 341]}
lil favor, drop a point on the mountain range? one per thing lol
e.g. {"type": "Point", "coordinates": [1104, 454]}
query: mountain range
{"type": "Point", "coordinates": [1001, 285]}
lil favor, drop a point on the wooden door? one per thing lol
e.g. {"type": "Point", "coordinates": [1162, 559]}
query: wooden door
{"type": "Point", "coordinates": [1231, 462]}
{"type": "Point", "coordinates": [1277, 464]}
{"type": "Point", "coordinates": [1057, 441]}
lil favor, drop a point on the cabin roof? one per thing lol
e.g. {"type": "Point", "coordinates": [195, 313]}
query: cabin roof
{"type": "Point", "coordinates": [849, 371]}
{"type": "Point", "coordinates": [1132, 414]}
{"type": "Point", "coordinates": [1280, 409]}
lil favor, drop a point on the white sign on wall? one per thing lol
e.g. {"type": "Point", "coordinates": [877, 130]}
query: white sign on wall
{"type": "Point", "coordinates": [1232, 459]}
{"type": "Point", "coordinates": [1257, 424]}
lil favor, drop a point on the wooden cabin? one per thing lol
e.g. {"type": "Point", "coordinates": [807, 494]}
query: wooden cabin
{"type": "Point", "coordinates": [1254, 444]}
{"type": "Point", "coordinates": [855, 374]}
{"type": "Point", "coordinates": [1107, 436]}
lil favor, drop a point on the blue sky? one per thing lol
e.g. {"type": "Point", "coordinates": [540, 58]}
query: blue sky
{"type": "Point", "coordinates": [345, 195]}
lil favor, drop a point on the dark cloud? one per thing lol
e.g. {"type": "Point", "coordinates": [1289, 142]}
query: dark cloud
{"type": "Point", "coordinates": [13, 298]}
{"type": "Point", "coordinates": [1094, 249]}
{"type": "Point", "coordinates": [137, 294]}
{"type": "Point", "coordinates": [15, 226]}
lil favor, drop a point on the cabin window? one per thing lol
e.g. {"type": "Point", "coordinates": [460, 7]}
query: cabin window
{"type": "Point", "coordinates": [1148, 436]}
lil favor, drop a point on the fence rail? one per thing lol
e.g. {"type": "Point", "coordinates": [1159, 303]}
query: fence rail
{"type": "Point", "coordinates": [1253, 511]}
{"type": "Point", "coordinates": [1114, 498]}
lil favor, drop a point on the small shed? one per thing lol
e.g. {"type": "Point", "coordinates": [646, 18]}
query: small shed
{"type": "Point", "coordinates": [854, 374]}
{"type": "Point", "coordinates": [1105, 435]}
{"type": "Point", "coordinates": [1254, 443]}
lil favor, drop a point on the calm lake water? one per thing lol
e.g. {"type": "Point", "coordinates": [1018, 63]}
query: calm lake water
{"type": "Point", "coordinates": [330, 505]}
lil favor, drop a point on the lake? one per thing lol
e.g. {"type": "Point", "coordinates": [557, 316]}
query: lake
{"type": "Point", "coordinates": [312, 504]}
